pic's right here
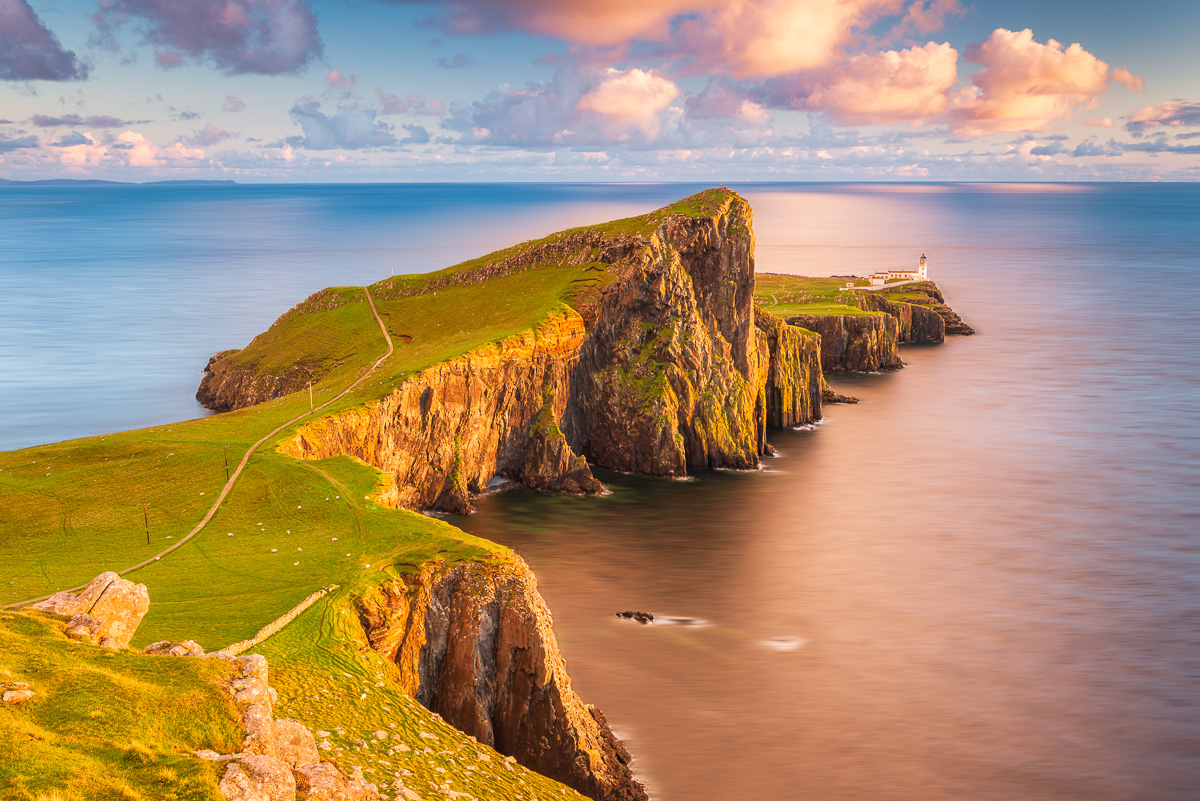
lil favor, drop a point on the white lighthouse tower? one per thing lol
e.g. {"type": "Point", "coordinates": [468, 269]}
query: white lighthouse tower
{"type": "Point", "coordinates": [922, 271]}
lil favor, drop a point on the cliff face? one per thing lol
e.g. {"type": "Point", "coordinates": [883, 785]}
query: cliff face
{"type": "Point", "coordinates": [672, 374]}
{"type": "Point", "coordinates": [859, 343]}
{"type": "Point", "coordinates": [792, 396]}
{"type": "Point", "coordinates": [664, 370]}
{"type": "Point", "coordinates": [445, 433]}
{"type": "Point", "coordinates": [474, 643]}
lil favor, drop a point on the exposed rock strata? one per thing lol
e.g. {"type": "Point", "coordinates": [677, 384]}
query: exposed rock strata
{"type": "Point", "coordinates": [474, 643]}
{"type": "Point", "coordinates": [443, 434]}
{"type": "Point", "coordinates": [855, 342]}
{"type": "Point", "coordinates": [106, 612]}
{"type": "Point", "coordinates": [792, 396]}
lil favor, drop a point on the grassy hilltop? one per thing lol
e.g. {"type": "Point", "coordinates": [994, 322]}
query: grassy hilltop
{"type": "Point", "coordinates": [287, 528]}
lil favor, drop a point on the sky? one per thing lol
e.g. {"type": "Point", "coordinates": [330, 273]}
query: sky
{"type": "Point", "coordinates": [600, 90]}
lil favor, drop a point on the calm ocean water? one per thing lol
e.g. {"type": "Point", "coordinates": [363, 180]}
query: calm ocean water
{"type": "Point", "coordinates": [983, 582]}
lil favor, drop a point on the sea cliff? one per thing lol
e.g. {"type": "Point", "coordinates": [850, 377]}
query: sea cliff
{"type": "Point", "coordinates": [474, 643]}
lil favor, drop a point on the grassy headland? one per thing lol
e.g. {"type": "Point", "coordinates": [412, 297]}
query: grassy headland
{"type": "Point", "coordinates": [71, 510]}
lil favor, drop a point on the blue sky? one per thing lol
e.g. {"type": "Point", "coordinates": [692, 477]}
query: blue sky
{"type": "Point", "coordinates": [611, 90]}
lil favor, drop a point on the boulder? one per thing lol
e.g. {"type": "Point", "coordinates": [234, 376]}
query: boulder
{"type": "Point", "coordinates": [324, 782]}
{"type": "Point", "coordinates": [106, 612]}
{"type": "Point", "coordinates": [258, 778]}
{"type": "Point", "coordinates": [14, 692]}
{"type": "Point", "coordinates": [168, 648]}
{"type": "Point", "coordinates": [294, 743]}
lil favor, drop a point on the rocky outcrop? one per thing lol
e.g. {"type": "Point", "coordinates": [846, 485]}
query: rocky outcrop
{"type": "Point", "coordinates": [279, 760]}
{"type": "Point", "coordinates": [474, 643]}
{"type": "Point", "coordinates": [855, 342]}
{"type": "Point", "coordinates": [933, 301]}
{"type": "Point", "coordinates": [915, 323]}
{"type": "Point", "coordinates": [106, 612]}
{"type": "Point", "coordinates": [168, 648]}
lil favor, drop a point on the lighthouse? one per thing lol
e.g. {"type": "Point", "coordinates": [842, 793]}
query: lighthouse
{"type": "Point", "coordinates": [922, 273]}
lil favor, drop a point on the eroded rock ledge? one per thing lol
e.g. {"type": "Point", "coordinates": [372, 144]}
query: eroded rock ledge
{"type": "Point", "coordinates": [475, 644]}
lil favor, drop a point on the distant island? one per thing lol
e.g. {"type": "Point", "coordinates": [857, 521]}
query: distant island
{"type": "Point", "coordinates": [96, 182]}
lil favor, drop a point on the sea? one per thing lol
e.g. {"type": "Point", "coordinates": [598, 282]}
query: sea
{"type": "Point", "coordinates": [981, 583]}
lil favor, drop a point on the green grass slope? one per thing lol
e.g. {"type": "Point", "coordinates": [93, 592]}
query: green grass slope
{"type": "Point", "coordinates": [107, 724]}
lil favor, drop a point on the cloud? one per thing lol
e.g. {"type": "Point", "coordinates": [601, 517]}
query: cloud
{"type": "Point", "coordinates": [232, 103]}
{"type": "Point", "coordinates": [73, 138]}
{"type": "Point", "coordinates": [589, 22]}
{"type": "Point", "coordinates": [412, 104]}
{"type": "Point", "coordinates": [348, 129]}
{"type": "Point", "coordinates": [29, 51]}
{"type": "Point", "coordinates": [889, 86]}
{"type": "Point", "coordinates": [1028, 86]}
{"type": "Point", "coordinates": [574, 107]}
{"type": "Point", "coordinates": [723, 100]}
{"type": "Point", "coordinates": [263, 37]}
{"type": "Point", "coordinates": [457, 61]}
{"type": "Point", "coordinates": [417, 135]}
{"type": "Point", "coordinates": [208, 136]}
{"type": "Point", "coordinates": [1171, 114]}
{"type": "Point", "coordinates": [127, 149]}
{"type": "Point", "coordinates": [8, 145]}
{"type": "Point", "coordinates": [739, 38]}
{"type": "Point", "coordinates": [630, 99]}
{"type": "Point", "coordinates": [769, 38]}
{"type": "Point", "coordinates": [338, 80]}
{"type": "Point", "coordinates": [95, 121]}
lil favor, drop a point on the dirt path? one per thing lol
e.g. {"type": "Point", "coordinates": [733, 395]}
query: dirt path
{"type": "Point", "coordinates": [245, 459]}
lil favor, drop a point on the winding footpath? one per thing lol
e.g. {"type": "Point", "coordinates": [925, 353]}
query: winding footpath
{"type": "Point", "coordinates": [245, 460]}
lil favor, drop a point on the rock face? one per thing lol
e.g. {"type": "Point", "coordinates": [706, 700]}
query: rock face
{"type": "Point", "coordinates": [445, 433]}
{"type": "Point", "coordinates": [867, 343]}
{"type": "Point", "coordinates": [792, 396]}
{"type": "Point", "coordinates": [474, 643]}
{"type": "Point", "coordinates": [106, 612]}
{"type": "Point", "coordinates": [666, 371]}
{"type": "Point", "coordinates": [858, 343]}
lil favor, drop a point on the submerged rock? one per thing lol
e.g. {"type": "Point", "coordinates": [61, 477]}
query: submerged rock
{"type": "Point", "coordinates": [640, 617]}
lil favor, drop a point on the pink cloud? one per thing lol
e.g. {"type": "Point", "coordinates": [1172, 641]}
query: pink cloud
{"type": "Point", "coordinates": [770, 38]}
{"type": "Point", "coordinates": [208, 136]}
{"type": "Point", "coordinates": [29, 51]}
{"type": "Point", "coordinates": [233, 104]}
{"type": "Point", "coordinates": [587, 22]}
{"type": "Point", "coordinates": [129, 149]}
{"type": "Point", "coordinates": [740, 38]}
{"type": "Point", "coordinates": [630, 99]}
{"type": "Point", "coordinates": [1028, 86]}
{"type": "Point", "coordinates": [168, 59]}
{"type": "Point", "coordinates": [412, 104]}
{"type": "Point", "coordinates": [1171, 114]}
{"type": "Point", "coordinates": [265, 37]}
{"type": "Point", "coordinates": [338, 80]}
{"type": "Point", "coordinates": [889, 86]}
